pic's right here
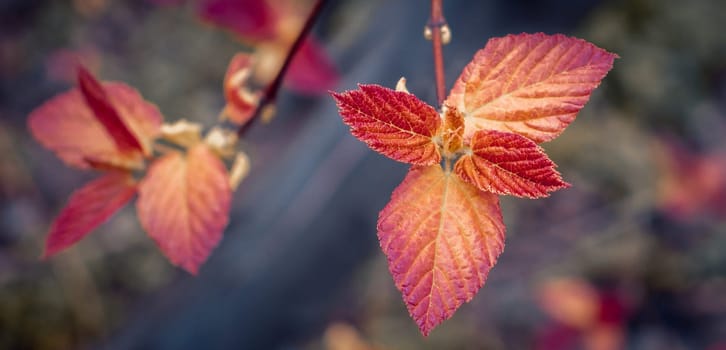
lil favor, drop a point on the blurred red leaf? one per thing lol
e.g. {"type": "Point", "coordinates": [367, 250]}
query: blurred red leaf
{"type": "Point", "coordinates": [250, 19]}
{"type": "Point", "coordinates": [99, 102]}
{"type": "Point", "coordinates": [311, 71]}
{"type": "Point", "coordinates": [89, 207]}
{"type": "Point", "coordinates": [272, 27]}
{"type": "Point", "coordinates": [583, 314]}
{"type": "Point", "coordinates": [184, 203]}
{"type": "Point", "coordinates": [441, 237]}
{"type": "Point", "coordinates": [66, 125]}
{"type": "Point", "coordinates": [505, 163]}
{"type": "Point", "coordinates": [394, 123]}
{"type": "Point", "coordinates": [691, 183]}
{"type": "Point", "coordinates": [530, 84]}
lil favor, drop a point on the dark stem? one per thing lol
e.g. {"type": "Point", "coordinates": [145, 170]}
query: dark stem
{"type": "Point", "coordinates": [270, 94]}
{"type": "Point", "coordinates": [436, 22]}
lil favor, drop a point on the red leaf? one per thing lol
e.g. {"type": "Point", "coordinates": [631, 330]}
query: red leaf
{"type": "Point", "coordinates": [184, 205]}
{"type": "Point", "coordinates": [241, 102]}
{"type": "Point", "coordinates": [253, 20]}
{"type": "Point", "coordinates": [396, 124]}
{"type": "Point", "coordinates": [311, 71]}
{"type": "Point", "coordinates": [530, 84]}
{"type": "Point", "coordinates": [66, 125]}
{"type": "Point", "coordinates": [441, 237]}
{"type": "Point", "coordinates": [99, 102]}
{"type": "Point", "coordinates": [505, 163]}
{"type": "Point", "coordinates": [89, 207]}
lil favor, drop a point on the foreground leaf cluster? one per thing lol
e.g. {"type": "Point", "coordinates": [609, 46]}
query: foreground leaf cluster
{"type": "Point", "coordinates": [442, 231]}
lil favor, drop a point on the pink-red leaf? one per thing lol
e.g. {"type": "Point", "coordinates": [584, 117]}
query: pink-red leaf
{"type": "Point", "coordinates": [441, 237]}
{"type": "Point", "coordinates": [530, 84]}
{"type": "Point", "coordinates": [184, 205]}
{"type": "Point", "coordinates": [394, 123]}
{"type": "Point", "coordinates": [99, 102]}
{"type": "Point", "coordinates": [505, 163]}
{"type": "Point", "coordinates": [253, 20]}
{"type": "Point", "coordinates": [311, 71]}
{"type": "Point", "coordinates": [66, 125]}
{"type": "Point", "coordinates": [89, 207]}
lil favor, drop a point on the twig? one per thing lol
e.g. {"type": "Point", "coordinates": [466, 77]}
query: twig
{"type": "Point", "coordinates": [435, 25]}
{"type": "Point", "coordinates": [270, 95]}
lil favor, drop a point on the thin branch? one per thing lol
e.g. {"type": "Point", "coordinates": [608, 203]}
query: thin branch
{"type": "Point", "coordinates": [435, 25]}
{"type": "Point", "coordinates": [270, 95]}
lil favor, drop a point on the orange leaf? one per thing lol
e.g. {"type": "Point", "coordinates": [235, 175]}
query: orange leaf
{"type": "Point", "coordinates": [530, 84]}
{"type": "Point", "coordinates": [505, 163]}
{"type": "Point", "coordinates": [441, 237]}
{"type": "Point", "coordinates": [394, 123]}
{"type": "Point", "coordinates": [66, 125]}
{"type": "Point", "coordinates": [184, 205]}
{"type": "Point", "coordinates": [241, 102]}
{"type": "Point", "coordinates": [89, 207]}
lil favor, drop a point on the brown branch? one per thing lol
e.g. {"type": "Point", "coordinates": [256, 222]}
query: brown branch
{"type": "Point", "coordinates": [270, 95]}
{"type": "Point", "coordinates": [436, 23]}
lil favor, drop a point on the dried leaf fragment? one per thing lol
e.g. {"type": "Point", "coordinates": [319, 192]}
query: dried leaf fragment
{"type": "Point", "coordinates": [401, 85]}
{"type": "Point", "coordinates": [240, 169]}
{"type": "Point", "coordinates": [221, 141]}
{"type": "Point", "coordinates": [182, 132]}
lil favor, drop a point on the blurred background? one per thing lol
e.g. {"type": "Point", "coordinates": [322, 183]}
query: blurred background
{"type": "Point", "coordinates": [632, 256]}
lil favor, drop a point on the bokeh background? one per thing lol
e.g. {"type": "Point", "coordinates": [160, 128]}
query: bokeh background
{"type": "Point", "coordinates": [633, 255]}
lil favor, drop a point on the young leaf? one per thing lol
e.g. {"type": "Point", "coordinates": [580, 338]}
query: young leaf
{"type": "Point", "coordinates": [241, 102]}
{"type": "Point", "coordinates": [530, 84]}
{"type": "Point", "coordinates": [453, 135]}
{"type": "Point", "coordinates": [184, 205]}
{"type": "Point", "coordinates": [89, 207]}
{"type": "Point", "coordinates": [441, 237]}
{"type": "Point", "coordinates": [66, 125]}
{"type": "Point", "coordinates": [505, 163]}
{"type": "Point", "coordinates": [99, 102]}
{"type": "Point", "coordinates": [394, 123]}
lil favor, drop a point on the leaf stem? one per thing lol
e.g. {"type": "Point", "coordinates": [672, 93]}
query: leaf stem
{"type": "Point", "coordinates": [435, 24]}
{"type": "Point", "coordinates": [270, 94]}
